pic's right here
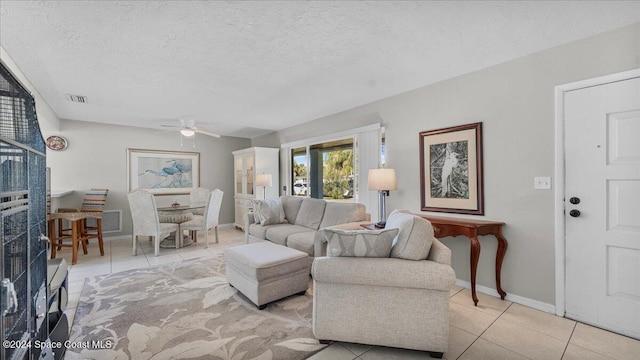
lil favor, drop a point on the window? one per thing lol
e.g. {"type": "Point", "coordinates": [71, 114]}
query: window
{"type": "Point", "coordinates": [332, 170]}
{"type": "Point", "coordinates": [325, 171]}
{"type": "Point", "coordinates": [334, 167]}
{"type": "Point", "coordinates": [299, 185]}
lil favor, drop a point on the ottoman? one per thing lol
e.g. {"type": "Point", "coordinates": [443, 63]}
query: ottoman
{"type": "Point", "coordinates": [265, 272]}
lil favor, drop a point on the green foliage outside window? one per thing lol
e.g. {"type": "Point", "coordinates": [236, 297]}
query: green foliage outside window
{"type": "Point", "coordinates": [299, 170]}
{"type": "Point", "coordinates": [338, 174]}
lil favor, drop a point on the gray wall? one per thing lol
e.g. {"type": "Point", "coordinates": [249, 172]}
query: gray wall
{"type": "Point", "coordinates": [97, 158]}
{"type": "Point", "coordinates": [515, 101]}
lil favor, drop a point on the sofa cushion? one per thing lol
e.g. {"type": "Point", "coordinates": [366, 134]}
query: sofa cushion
{"type": "Point", "coordinates": [358, 243]}
{"type": "Point", "coordinates": [260, 231]}
{"type": "Point", "coordinates": [340, 213]}
{"type": "Point", "coordinates": [279, 234]}
{"type": "Point", "coordinates": [414, 238]}
{"type": "Point", "coordinates": [311, 213]}
{"type": "Point", "coordinates": [291, 206]}
{"type": "Point", "coordinates": [302, 241]}
{"type": "Point", "coordinates": [268, 211]}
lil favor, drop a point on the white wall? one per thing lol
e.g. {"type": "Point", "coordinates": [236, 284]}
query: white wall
{"type": "Point", "coordinates": [515, 102]}
{"type": "Point", "coordinates": [97, 158]}
{"type": "Point", "coordinates": [47, 119]}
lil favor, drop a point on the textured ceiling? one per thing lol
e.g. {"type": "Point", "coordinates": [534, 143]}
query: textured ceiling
{"type": "Point", "coordinates": [248, 68]}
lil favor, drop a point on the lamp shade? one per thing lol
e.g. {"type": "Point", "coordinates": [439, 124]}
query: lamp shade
{"type": "Point", "coordinates": [263, 180]}
{"type": "Point", "coordinates": [382, 179]}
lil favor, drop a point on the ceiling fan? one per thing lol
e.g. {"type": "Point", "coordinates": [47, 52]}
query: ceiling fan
{"type": "Point", "coordinates": [188, 128]}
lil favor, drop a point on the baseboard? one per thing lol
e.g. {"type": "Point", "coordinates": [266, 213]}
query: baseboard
{"type": "Point", "coordinates": [128, 236]}
{"type": "Point", "coordinates": [535, 304]}
{"type": "Point", "coordinates": [119, 237]}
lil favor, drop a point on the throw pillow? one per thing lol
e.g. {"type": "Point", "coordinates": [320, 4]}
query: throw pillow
{"type": "Point", "coordinates": [414, 238]}
{"type": "Point", "coordinates": [268, 211]}
{"type": "Point", "coordinates": [311, 213]}
{"type": "Point", "coordinates": [291, 206]}
{"type": "Point", "coordinates": [358, 243]}
{"type": "Point", "coordinates": [256, 215]}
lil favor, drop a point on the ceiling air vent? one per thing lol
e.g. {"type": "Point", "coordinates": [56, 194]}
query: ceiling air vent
{"type": "Point", "coordinates": [76, 98]}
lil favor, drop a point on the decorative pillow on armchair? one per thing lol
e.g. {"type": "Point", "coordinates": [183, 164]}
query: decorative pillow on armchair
{"type": "Point", "coordinates": [358, 243]}
{"type": "Point", "coordinates": [268, 212]}
{"type": "Point", "coordinates": [414, 238]}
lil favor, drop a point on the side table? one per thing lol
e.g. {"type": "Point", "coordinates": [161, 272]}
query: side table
{"type": "Point", "coordinates": [369, 226]}
{"type": "Point", "coordinates": [471, 228]}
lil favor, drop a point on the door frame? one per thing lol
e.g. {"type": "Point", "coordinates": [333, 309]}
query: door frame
{"type": "Point", "coordinates": [559, 183]}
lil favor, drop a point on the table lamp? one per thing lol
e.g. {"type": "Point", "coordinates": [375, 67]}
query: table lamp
{"type": "Point", "coordinates": [382, 180]}
{"type": "Point", "coordinates": [264, 180]}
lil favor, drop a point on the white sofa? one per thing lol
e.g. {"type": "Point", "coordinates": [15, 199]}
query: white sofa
{"type": "Point", "coordinates": [397, 301]}
{"type": "Point", "coordinates": [304, 216]}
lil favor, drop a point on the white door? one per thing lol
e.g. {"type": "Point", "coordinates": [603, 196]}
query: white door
{"type": "Point", "coordinates": [602, 154]}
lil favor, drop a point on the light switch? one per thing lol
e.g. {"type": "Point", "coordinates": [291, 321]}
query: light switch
{"type": "Point", "coordinates": [542, 182]}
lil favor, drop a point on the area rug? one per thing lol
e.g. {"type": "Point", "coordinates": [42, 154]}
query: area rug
{"type": "Point", "coordinates": [186, 310]}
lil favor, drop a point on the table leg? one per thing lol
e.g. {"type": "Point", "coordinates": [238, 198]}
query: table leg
{"type": "Point", "coordinates": [502, 249]}
{"type": "Point", "coordinates": [100, 242]}
{"type": "Point", "coordinates": [475, 255]}
{"type": "Point", "coordinates": [81, 237]}
{"type": "Point", "coordinates": [52, 237]}
{"type": "Point", "coordinates": [75, 236]}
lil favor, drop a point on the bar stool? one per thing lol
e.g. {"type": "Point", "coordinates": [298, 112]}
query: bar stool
{"type": "Point", "coordinates": [76, 219]}
{"type": "Point", "coordinates": [93, 203]}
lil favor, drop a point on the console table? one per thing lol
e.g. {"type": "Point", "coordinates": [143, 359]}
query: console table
{"type": "Point", "coordinates": [471, 228]}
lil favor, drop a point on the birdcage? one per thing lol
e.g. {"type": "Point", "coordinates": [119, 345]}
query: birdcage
{"type": "Point", "coordinates": [23, 273]}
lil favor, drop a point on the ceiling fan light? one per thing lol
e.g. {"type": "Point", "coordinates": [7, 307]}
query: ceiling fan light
{"type": "Point", "coordinates": [187, 132]}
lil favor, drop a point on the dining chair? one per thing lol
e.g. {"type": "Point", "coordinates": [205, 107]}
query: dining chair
{"type": "Point", "coordinates": [199, 197]}
{"type": "Point", "coordinates": [209, 220]}
{"type": "Point", "coordinates": [144, 214]}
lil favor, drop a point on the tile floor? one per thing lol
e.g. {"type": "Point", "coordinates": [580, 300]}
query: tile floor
{"type": "Point", "coordinates": [495, 329]}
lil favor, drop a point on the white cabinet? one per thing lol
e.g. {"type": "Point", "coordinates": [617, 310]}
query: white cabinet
{"type": "Point", "coordinates": [247, 164]}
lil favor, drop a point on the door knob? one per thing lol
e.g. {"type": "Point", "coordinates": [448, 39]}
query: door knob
{"type": "Point", "coordinates": [574, 200]}
{"type": "Point", "coordinates": [574, 213]}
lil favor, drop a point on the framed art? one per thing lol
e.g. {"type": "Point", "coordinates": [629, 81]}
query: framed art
{"type": "Point", "coordinates": [163, 172]}
{"type": "Point", "coordinates": [451, 170]}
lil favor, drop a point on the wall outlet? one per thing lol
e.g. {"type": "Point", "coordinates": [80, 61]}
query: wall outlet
{"type": "Point", "coordinates": [542, 182]}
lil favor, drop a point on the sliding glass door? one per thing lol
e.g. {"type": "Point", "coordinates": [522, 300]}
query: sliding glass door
{"type": "Point", "coordinates": [299, 166]}
{"type": "Point", "coordinates": [334, 167]}
{"type": "Point", "coordinates": [332, 170]}
{"type": "Point", "coordinates": [324, 170]}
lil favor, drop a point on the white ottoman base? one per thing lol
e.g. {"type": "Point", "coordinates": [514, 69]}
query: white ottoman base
{"type": "Point", "coordinates": [244, 262]}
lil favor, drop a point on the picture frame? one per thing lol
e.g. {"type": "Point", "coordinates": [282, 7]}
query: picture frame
{"type": "Point", "coordinates": [163, 172]}
{"type": "Point", "coordinates": [451, 178]}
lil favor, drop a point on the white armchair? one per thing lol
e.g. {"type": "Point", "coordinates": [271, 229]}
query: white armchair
{"type": "Point", "coordinates": [207, 221]}
{"type": "Point", "coordinates": [144, 214]}
{"type": "Point", "coordinates": [398, 301]}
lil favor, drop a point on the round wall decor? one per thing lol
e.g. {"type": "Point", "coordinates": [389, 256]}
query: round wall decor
{"type": "Point", "coordinates": [57, 143]}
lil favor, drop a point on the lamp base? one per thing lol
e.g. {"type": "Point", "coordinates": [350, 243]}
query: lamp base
{"type": "Point", "coordinates": [380, 225]}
